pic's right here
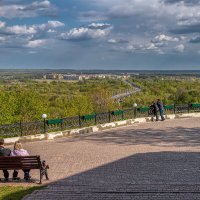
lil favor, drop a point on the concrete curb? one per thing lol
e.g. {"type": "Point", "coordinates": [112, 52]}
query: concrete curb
{"type": "Point", "coordinates": [92, 129]}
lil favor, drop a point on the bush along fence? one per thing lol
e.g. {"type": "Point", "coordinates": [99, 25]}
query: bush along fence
{"type": "Point", "coordinates": [52, 125]}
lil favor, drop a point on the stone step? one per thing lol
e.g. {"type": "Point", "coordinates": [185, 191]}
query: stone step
{"type": "Point", "coordinates": [160, 192]}
{"type": "Point", "coordinates": [115, 196]}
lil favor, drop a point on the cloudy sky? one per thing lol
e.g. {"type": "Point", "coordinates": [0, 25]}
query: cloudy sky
{"type": "Point", "coordinates": [100, 34]}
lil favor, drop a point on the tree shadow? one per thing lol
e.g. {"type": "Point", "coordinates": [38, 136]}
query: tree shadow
{"type": "Point", "coordinates": [179, 136]}
{"type": "Point", "coordinates": [160, 175]}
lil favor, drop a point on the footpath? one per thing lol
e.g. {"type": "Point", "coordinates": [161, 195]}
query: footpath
{"type": "Point", "coordinates": [154, 161]}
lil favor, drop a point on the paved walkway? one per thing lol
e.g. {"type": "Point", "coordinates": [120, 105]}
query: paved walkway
{"type": "Point", "coordinates": [154, 161]}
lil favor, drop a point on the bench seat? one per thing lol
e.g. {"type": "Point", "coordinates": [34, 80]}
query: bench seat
{"type": "Point", "coordinates": [21, 162]}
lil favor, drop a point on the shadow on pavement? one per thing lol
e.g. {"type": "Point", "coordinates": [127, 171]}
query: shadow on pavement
{"type": "Point", "coordinates": [152, 176]}
{"type": "Point", "coordinates": [178, 136]}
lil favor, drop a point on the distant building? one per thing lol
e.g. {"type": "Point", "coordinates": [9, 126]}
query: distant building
{"type": "Point", "coordinates": [101, 76]}
{"type": "Point", "coordinates": [49, 76]}
{"type": "Point", "coordinates": [59, 76]}
{"type": "Point", "coordinates": [72, 77]}
{"type": "Point", "coordinates": [53, 76]}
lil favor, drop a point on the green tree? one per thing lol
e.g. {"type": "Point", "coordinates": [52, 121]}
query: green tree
{"type": "Point", "coordinates": [7, 107]}
{"type": "Point", "coordinates": [30, 105]}
{"type": "Point", "coordinates": [102, 101]}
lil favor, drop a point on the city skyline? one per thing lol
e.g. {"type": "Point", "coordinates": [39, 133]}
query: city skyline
{"type": "Point", "coordinates": [93, 34]}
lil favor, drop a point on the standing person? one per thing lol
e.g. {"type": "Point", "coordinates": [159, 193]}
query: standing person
{"type": "Point", "coordinates": [19, 151]}
{"type": "Point", "coordinates": [45, 167]}
{"type": "Point", "coordinates": [154, 110]}
{"type": "Point", "coordinates": [4, 152]}
{"type": "Point", "coordinates": [161, 109]}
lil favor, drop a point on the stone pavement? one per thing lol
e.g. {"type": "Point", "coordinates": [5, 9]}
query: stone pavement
{"type": "Point", "coordinates": [154, 161]}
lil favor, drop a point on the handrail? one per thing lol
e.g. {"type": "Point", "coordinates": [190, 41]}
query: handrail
{"type": "Point", "coordinates": [38, 127]}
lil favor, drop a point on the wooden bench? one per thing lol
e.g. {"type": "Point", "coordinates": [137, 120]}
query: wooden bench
{"type": "Point", "coordinates": [21, 162]}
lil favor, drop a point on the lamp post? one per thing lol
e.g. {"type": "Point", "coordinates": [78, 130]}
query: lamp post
{"type": "Point", "coordinates": [135, 109]}
{"type": "Point", "coordinates": [44, 116]}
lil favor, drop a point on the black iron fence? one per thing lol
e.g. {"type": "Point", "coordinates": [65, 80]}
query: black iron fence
{"type": "Point", "coordinates": [38, 127]}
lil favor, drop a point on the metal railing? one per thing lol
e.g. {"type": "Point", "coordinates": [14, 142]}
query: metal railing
{"type": "Point", "coordinates": [39, 127]}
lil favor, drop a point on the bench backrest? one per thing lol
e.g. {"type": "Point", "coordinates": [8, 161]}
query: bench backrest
{"type": "Point", "coordinates": [20, 162]}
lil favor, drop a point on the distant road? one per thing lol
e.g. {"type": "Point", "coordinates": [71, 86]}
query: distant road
{"type": "Point", "coordinates": [135, 87]}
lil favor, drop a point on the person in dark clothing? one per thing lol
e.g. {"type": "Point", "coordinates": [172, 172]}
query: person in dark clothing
{"type": "Point", "coordinates": [154, 110]}
{"type": "Point", "coordinates": [45, 168]}
{"type": "Point", "coordinates": [4, 152]}
{"type": "Point", "coordinates": [161, 109]}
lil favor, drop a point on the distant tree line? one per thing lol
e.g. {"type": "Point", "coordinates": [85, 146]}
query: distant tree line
{"type": "Point", "coordinates": [170, 91]}
{"type": "Point", "coordinates": [28, 100]}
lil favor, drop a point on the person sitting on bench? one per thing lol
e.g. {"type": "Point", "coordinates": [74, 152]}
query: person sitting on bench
{"type": "Point", "coordinates": [4, 152]}
{"type": "Point", "coordinates": [19, 151]}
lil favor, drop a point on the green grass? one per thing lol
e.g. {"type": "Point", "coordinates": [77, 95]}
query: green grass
{"type": "Point", "coordinates": [16, 192]}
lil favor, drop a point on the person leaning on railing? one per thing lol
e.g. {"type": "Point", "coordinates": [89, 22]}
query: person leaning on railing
{"type": "Point", "coordinates": [161, 109]}
{"type": "Point", "coordinates": [4, 152]}
{"type": "Point", "coordinates": [154, 110]}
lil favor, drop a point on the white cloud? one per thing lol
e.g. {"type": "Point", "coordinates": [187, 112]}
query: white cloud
{"type": "Point", "coordinates": [154, 8]}
{"type": "Point", "coordinates": [98, 26]}
{"type": "Point", "coordinates": [92, 31]}
{"type": "Point", "coordinates": [180, 48]}
{"type": "Point", "coordinates": [142, 48]}
{"type": "Point", "coordinates": [165, 38]}
{"type": "Point", "coordinates": [50, 27]}
{"type": "Point", "coordinates": [112, 41]}
{"type": "Point", "coordinates": [92, 16]}
{"type": "Point", "coordinates": [31, 36]}
{"type": "Point", "coordinates": [27, 10]}
{"type": "Point", "coordinates": [150, 46]}
{"type": "Point", "coordinates": [175, 13]}
{"type": "Point", "coordinates": [32, 52]}
{"type": "Point", "coordinates": [2, 24]}
{"type": "Point", "coordinates": [42, 4]}
{"type": "Point", "coordinates": [2, 39]}
{"type": "Point", "coordinates": [21, 30]}
{"type": "Point", "coordinates": [118, 40]}
{"type": "Point", "coordinates": [183, 37]}
{"type": "Point", "coordinates": [55, 24]}
{"type": "Point", "coordinates": [36, 43]}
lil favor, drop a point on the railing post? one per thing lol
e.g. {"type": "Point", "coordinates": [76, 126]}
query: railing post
{"type": "Point", "coordinates": [174, 108]}
{"type": "Point", "coordinates": [135, 112]}
{"type": "Point", "coordinates": [95, 119]}
{"type": "Point", "coordinates": [79, 119]}
{"type": "Point", "coordinates": [122, 114]}
{"type": "Point", "coordinates": [109, 116]}
{"type": "Point", "coordinates": [20, 125]}
{"type": "Point", "coordinates": [61, 125]}
{"type": "Point", "coordinates": [188, 107]}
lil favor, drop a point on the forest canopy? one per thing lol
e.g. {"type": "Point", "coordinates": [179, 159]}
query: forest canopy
{"type": "Point", "coordinates": [28, 100]}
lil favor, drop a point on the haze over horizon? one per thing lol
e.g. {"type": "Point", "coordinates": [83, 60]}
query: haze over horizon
{"type": "Point", "coordinates": [105, 34]}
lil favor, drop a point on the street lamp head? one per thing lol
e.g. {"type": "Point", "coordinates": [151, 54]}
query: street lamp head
{"type": "Point", "coordinates": [44, 116]}
{"type": "Point", "coordinates": [135, 105]}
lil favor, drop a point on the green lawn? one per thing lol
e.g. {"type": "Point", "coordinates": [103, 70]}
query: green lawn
{"type": "Point", "coordinates": [16, 193]}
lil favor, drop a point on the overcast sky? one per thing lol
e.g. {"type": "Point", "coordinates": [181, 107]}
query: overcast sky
{"type": "Point", "coordinates": [100, 34]}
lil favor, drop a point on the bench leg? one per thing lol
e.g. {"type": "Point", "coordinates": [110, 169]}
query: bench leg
{"type": "Point", "coordinates": [40, 177]}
